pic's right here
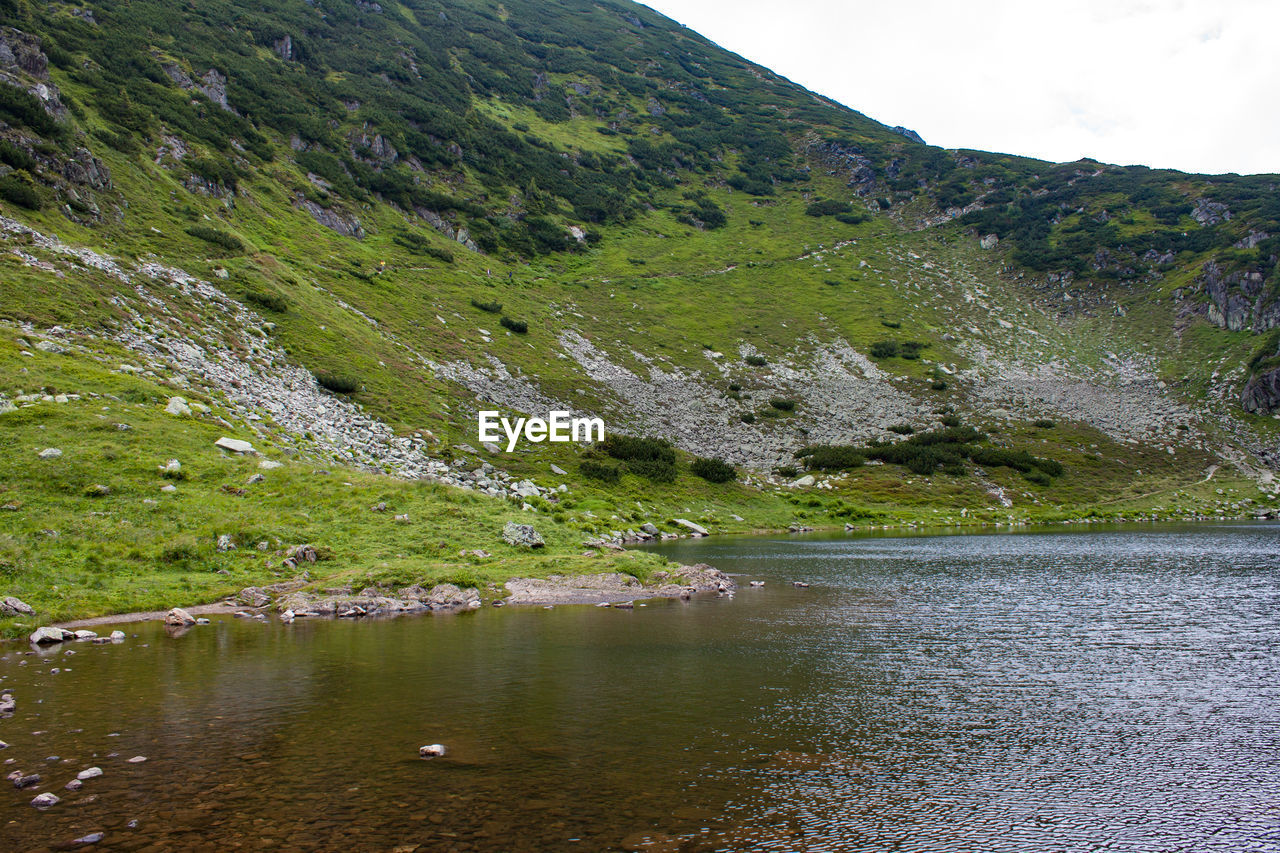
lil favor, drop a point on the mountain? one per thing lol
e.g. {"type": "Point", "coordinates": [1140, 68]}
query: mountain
{"type": "Point", "coordinates": [340, 228]}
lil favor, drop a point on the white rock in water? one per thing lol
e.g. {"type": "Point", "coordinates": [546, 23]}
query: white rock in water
{"type": "Point", "coordinates": [45, 800]}
{"type": "Point", "coordinates": [178, 616]}
{"type": "Point", "coordinates": [235, 445]}
{"type": "Point", "coordinates": [50, 453]}
{"type": "Point", "coordinates": [178, 407]}
{"type": "Point", "coordinates": [45, 634]}
{"type": "Point", "coordinates": [431, 750]}
{"type": "Point", "coordinates": [117, 635]}
{"type": "Point", "coordinates": [137, 759]}
{"type": "Point", "coordinates": [287, 616]}
{"type": "Point", "coordinates": [85, 635]}
{"type": "Point", "coordinates": [91, 773]}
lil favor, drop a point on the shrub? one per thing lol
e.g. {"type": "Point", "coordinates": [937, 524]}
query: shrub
{"type": "Point", "coordinates": [713, 470]}
{"type": "Point", "coordinates": [938, 385]}
{"type": "Point", "coordinates": [788, 471]}
{"type": "Point", "coordinates": [782, 404]}
{"type": "Point", "coordinates": [601, 471]}
{"type": "Point", "coordinates": [337, 383]}
{"type": "Point", "coordinates": [520, 327]}
{"type": "Point", "coordinates": [911, 349]}
{"type": "Point", "coordinates": [747, 417]}
{"type": "Point", "coordinates": [756, 360]}
{"type": "Point", "coordinates": [852, 218]}
{"type": "Point", "coordinates": [270, 301]}
{"type": "Point", "coordinates": [17, 191]}
{"type": "Point", "coordinates": [891, 324]}
{"type": "Point", "coordinates": [230, 242]}
{"type": "Point", "coordinates": [902, 429]}
{"type": "Point", "coordinates": [653, 458]}
{"type": "Point", "coordinates": [828, 207]}
{"type": "Point", "coordinates": [490, 307]}
{"type": "Point", "coordinates": [885, 349]}
{"type": "Point", "coordinates": [16, 157]}
{"type": "Point", "coordinates": [831, 457]}
{"type": "Point", "coordinates": [1044, 423]}
{"type": "Point", "coordinates": [735, 387]}
{"type": "Point", "coordinates": [950, 421]}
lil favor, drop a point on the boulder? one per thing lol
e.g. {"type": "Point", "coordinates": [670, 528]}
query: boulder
{"type": "Point", "coordinates": [689, 525]}
{"type": "Point", "coordinates": [45, 634]}
{"type": "Point", "coordinates": [225, 543]}
{"type": "Point", "coordinates": [50, 453]}
{"type": "Point", "coordinates": [179, 618]}
{"type": "Point", "coordinates": [432, 750]}
{"type": "Point", "coordinates": [525, 489]}
{"type": "Point", "coordinates": [446, 596]}
{"type": "Point", "coordinates": [253, 596]}
{"type": "Point", "coordinates": [90, 773]}
{"type": "Point", "coordinates": [521, 535]}
{"type": "Point", "coordinates": [557, 470]}
{"type": "Point", "coordinates": [178, 408]}
{"type": "Point", "coordinates": [235, 445]}
{"type": "Point", "coordinates": [650, 528]}
{"type": "Point", "coordinates": [15, 607]}
{"type": "Point", "coordinates": [85, 635]}
{"type": "Point", "coordinates": [20, 781]}
{"type": "Point", "coordinates": [116, 636]}
{"type": "Point", "coordinates": [269, 464]}
{"type": "Point", "coordinates": [45, 800]}
{"type": "Point", "coordinates": [806, 480]}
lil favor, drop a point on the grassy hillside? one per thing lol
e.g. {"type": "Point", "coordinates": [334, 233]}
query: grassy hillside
{"type": "Point", "coordinates": [437, 207]}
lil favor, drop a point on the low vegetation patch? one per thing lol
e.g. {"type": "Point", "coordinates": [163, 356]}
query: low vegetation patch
{"type": "Point", "coordinates": [520, 327]}
{"type": "Point", "coordinates": [714, 470]}
{"type": "Point", "coordinates": [653, 458]}
{"type": "Point", "coordinates": [488, 307]}
{"type": "Point", "coordinates": [230, 242]}
{"type": "Point", "coordinates": [337, 383]}
{"type": "Point", "coordinates": [924, 453]}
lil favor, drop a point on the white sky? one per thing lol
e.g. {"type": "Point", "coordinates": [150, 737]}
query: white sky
{"type": "Point", "coordinates": [1181, 84]}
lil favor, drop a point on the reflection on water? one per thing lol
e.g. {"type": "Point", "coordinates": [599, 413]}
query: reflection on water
{"type": "Point", "coordinates": [1064, 691]}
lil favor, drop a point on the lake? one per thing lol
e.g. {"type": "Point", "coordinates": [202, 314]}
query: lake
{"type": "Point", "coordinates": [1101, 689]}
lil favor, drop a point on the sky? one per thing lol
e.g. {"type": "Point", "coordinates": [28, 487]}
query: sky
{"type": "Point", "coordinates": [1178, 84]}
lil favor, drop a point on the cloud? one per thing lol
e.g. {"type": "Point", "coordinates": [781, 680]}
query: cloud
{"type": "Point", "coordinates": [1165, 83]}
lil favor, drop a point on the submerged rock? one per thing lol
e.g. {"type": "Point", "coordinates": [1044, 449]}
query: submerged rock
{"type": "Point", "coordinates": [89, 773]}
{"type": "Point", "coordinates": [432, 750]}
{"type": "Point", "coordinates": [45, 800]}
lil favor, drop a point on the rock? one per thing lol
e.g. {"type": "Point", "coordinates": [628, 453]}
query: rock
{"type": "Point", "coordinates": [650, 528]}
{"type": "Point", "coordinates": [89, 773]}
{"type": "Point", "coordinates": [116, 636]}
{"type": "Point", "coordinates": [178, 617]}
{"type": "Point", "coordinates": [202, 621]}
{"type": "Point", "coordinates": [235, 445]}
{"type": "Point", "coordinates": [20, 781]}
{"type": "Point", "coordinates": [43, 635]}
{"type": "Point", "coordinates": [97, 490]}
{"type": "Point", "coordinates": [380, 506]}
{"type": "Point", "coordinates": [137, 759]}
{"type": "Point", "coordinates": [303, 553]}
{"type": "Point", "coordinates": [1261, 394]}
{"type": "Point", "coordinates": [15, 607]}
{"type": "Point", "coordinates": [269, 464]}
{"type": "Point", "coordinates": [253, 596]}
{"type": "Point", "coordinates": [806, 480]}
{"type": "Point", "coordinates": [431, 750]}
{"type": "Point", "coordinates": [757, 583]}
{"type": "Point", "coordinates": [287, 617]}
{"type": "Point", "coordinates": [800, 584]}
{"type": "Point", "coordinates": [50, 453]}
{"type": "Point", "coordinates": [178, 408]}
{"type": "Point", "coordinates": [402, 519]}
{"type": "Point", "coordinates": [8, 704]}
{"type": "Point", "coordinates": [91, 838]}
{"type": "Point", "coordinates": [521, 535]}
{"type": "Point", "coordinates": [689, 525]}
{"type": "Point", "coordinates": [225, 543]}
{"type": "Point", "coordinates": [45, 800]}
{"type": "Point", "coordinates": [168, 488]}
{"type": "Point", "coordinates": [525, 489]}
{"type": "Point", "coordinates": [85, 635]}
{"type": "Point", "coordinates": [74, 785]}
{"type": "Point", "coordinates": [558, 471]}
{"type": "Point", "coordinates": [447, 596]}
{"type": "Point", "coordinates": [50, 347]}
{"type": "Point", "coordinates": [989, 241]}
{"type": "Point", "coordinates": [255, 480]}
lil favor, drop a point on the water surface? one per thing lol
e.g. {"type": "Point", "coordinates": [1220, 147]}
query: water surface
{"type": "Point", "coordinates": [1067, 690]}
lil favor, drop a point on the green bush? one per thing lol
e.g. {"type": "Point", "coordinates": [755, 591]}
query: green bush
{"type": "Point", "coordinates": [17, 191]}
{"type": "Point", "coordinates": [831, 457]}
{"type": "Point", "coordinates": [788, 471]}
{"type": "Point", "coordinates": [938, 385]}
{"type": "Point", "coordinates": [1044, 423]}
{"type": "Point", "coordinates": [653, 458]}
{"type": "Point", "coordinates": [601, 471]}
{"type": "Point", "coordinates": [270, 301]}
{"type": "Point", "coordinates": [520, 327]}
{"type": "Point", "coordinates": [782, 404]}
{"type": "Point", "coordinates": [713, 470]}
{"type": "Point", "coordinates": [902, 429]}
{"type": "Point", "coordinates": [829, 207]}
{"type": "Point", "coordinates": [18, 158]}
{"type": "Point", "coordinates": [230, 242]}
{"type": "Point", "coordinates": [490, 307]}
{"type": "Point", "coordinates": [337, 383]}
{"type": "Point", "coordinates": [756, 360]}
{"type": "Point", "coordinates": [747, 417]}
{"type": "Point", "coordinates": [885, 349]}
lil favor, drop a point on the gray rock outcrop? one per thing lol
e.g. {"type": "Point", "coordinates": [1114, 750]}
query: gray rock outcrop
{"type": "Point", "coordinates": [522, 535]}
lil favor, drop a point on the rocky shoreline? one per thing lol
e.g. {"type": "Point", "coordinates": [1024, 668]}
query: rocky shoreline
{"type": "Point", "coordinates": [288, 601]}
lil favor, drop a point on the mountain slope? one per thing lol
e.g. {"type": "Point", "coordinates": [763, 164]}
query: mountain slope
{"type": "Point", "coordinates": [346, 227]}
